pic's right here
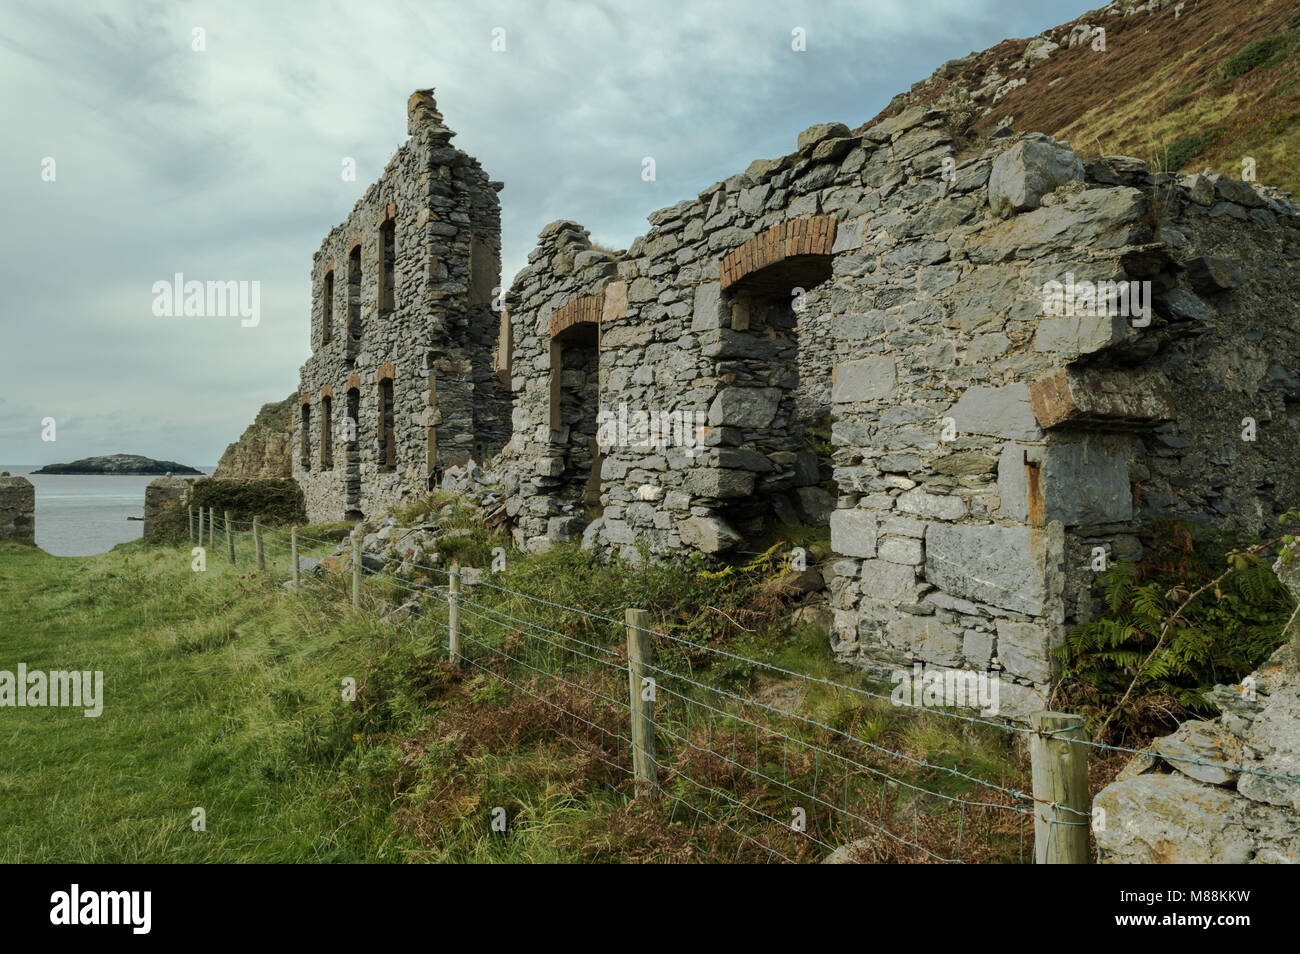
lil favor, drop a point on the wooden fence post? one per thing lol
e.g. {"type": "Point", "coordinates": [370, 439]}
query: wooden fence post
{"type": "Point", "coordinates": [356, 571]}
{"type": "Point", "coordinates": [293, 554]}
{"type": "Point", "coordinates": [257, 544]}
{"type": "Point", "coordinates": [199, 527]}
{"type": "Point", "coordinates": [189, 521]}
{"type": "Point", "coordinates": [642, 695]}
{"type": "Point", "coordinates": [1061, 799]}
{"type": "Point", "coordinates": [212, 527]}
{"type": "Point", "coordinates": [453, 615]}
{"type": "Point", "coordinates": [230, 539]}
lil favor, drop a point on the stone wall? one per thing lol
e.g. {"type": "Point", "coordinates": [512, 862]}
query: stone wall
{"type": "Point", "coordinates": [17, 509]}
{"type": "Point", "coordinates": [984, 448]}
{"type": "Point", "coordinates": [1207, 428]}
{"type": "Point", "coordinates": [161, 493]}
{"type": "Point", "coordinates": [428, 334]}
{"type": "Point", "coordinates": [858, 335]}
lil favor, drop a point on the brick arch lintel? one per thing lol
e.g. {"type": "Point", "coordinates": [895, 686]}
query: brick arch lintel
{"type": "Point", "coordinates": [585, 310]}
{"type": "Point", "coordinates": [813, 235]}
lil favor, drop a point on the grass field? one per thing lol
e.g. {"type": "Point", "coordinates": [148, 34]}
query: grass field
{"type": "Point", "coordinates": [205, 675]}
{"type": "Point", "coordinates": [222, 692]}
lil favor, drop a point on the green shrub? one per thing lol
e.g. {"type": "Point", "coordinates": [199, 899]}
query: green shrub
{"type": "Point", "coordinates": [275, 501]}
{"type": "Point", "coordinates": [1223, 635]}
{"type": "Point", "coordinates": [1183, 151]}
{"type": "Point", "coordinates": [1253, 55]}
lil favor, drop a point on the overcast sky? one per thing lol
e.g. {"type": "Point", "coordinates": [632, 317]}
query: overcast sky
{"type": "Point", "coordinates": [225, 164]}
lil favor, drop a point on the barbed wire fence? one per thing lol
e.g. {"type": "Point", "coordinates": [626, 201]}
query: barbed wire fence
{"type": "Point", "coordinates": [793, 772]}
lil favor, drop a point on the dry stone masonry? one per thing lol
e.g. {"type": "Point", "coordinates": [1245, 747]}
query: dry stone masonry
{"type": "Point", "coordinates": [401, 382]}
{"type": "Point", "coordinates": [984, 364]}
{"type": "Point", "coordinates": [17, 509]}
{"type": "Point", "coordinates": [161, 493]}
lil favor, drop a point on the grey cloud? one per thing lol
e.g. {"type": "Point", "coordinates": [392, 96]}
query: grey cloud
{"type": "Point", "coordinates": [225, 164]}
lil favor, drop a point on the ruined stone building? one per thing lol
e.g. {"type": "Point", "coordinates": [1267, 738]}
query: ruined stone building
{"type": "Point", "coordinates": [400, 382]}
{"type": "Point", "coordinates": [984, 365]}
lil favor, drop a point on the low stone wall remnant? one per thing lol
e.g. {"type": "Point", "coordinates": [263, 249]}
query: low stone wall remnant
{"type": "Point", "coordinates": [17, 509]}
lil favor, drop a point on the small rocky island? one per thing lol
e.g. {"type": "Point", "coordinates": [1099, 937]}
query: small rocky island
{"type": "Point", "coordinates": [125, 464]}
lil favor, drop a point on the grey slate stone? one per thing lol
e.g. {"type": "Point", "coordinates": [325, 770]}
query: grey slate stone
{"type": "Point", "coordinates": [709, 534]}
{"type": "Point", "coordinates": [1085, 482]}
{"type": "Point", "coordinates": [868, 379]}
{"type": "Point", "coordinates": [853, 533]}
{"type": "Point", "coordinates": [927, 638]}
{"type": "Point", "coordinates": [1173, 819]}
{"type": "Point", "coordinates": [718, 483]}
{"type": "Point", "coordinates": [989, 564]}
{"type": "Point", "coordinates": [1023, 650]}
{"type": "Point", "coordinates": [1181, 305]}
{"type": "Point", "coordinates": [941, 506]}
{"type": "Point", "coordinates": [882, 580]}
{"type": "Point", "coordinates": [997, 412]}
{"type": "Point", "coordinates": [744, 407]}
{"type": "Point", "coordinates": [1210, 276]}
{"type": "Point", "coordinates": [977, 648]}
{"type": "Point", "coordinates": [813, 135]}
{"type": "Point", "coordinates": [1199, 741]}
{"type": "Point", "coordinates": [900, 550]}
{"type": "Point", "coordinates": [1027, 171]}
{"type": "Point", "coordinates": [707, 315]}
{"type": "Point", "coordinates": [1079, 334]}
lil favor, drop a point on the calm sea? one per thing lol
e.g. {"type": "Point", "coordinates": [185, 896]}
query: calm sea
{"type": "Point", "coordinates": [80, 515]}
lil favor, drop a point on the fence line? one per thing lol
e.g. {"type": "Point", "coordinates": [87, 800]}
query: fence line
{"type": "Point", "coordinates": [688, 732]}
{"type": "Point", "coordinates": [858, 690]}
{"type": "Point", "coordinates": [677, 732]}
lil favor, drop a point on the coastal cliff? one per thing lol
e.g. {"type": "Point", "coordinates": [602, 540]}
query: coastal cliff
{"type": "Point", "coordinates": [264, 449]}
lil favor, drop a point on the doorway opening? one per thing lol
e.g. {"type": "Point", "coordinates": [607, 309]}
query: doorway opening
{"type": "Point", "coordinates": [575, 396]}
{"type": "Point", "coordinates": [788, 355]}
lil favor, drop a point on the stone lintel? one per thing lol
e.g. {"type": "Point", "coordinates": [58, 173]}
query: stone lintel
{"type": "Point", "coordinates": [1070, 395]}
